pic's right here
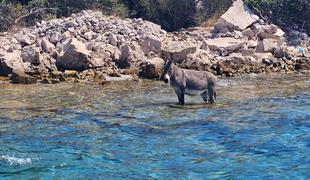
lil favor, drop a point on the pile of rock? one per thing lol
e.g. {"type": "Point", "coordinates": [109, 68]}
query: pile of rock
{"type": "Point", "coordinates": [90, 46]}
{"type": "Point", "coordinates": [85, 42]}
{"type": "Point", "coordinates": [243, 43]}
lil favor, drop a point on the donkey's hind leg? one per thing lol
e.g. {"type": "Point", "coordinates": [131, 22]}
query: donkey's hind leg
{"type": "Point", "coordinates": [205, 96]}
{"type": "Point", "coordinates": [211, 94]}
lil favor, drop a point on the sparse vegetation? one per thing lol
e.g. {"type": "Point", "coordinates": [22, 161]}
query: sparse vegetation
{"type": "Point", "coordinates": [171, 14]}
{"type": "Point", "coordinates": [286, 13]}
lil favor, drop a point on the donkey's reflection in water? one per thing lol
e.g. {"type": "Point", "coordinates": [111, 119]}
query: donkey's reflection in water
{"type": "Point", "coordinates": [190, 82]}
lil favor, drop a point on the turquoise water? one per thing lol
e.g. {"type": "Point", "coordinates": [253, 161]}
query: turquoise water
{"type": "Point", "coordinates": [258, 129]}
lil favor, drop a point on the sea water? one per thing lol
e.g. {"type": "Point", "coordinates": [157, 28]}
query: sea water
{"type": "Point", "coordinates": [259, 128]}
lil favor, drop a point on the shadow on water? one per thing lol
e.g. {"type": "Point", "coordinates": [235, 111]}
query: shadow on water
{"type": "Point", "coordinates": [259, 127]}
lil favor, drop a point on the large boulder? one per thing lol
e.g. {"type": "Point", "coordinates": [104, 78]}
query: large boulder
{"type": "Point", "coordinates": [31, 54]}
{"type": "Point", "coordinates": [47, 62]}
{"type": "Point", "coordinates": [225, 45]}
{"type": "Point", "coordinates": [131, 54]}
{"type": "Point", "coordinates": [10, 62]}
{"type": "Point", "coordinates": [136, 54]}
{"type": "Point", "coordinates": [25, 38]}
{"type": "Point", "coordinates": [152, 68]}
{"type": "Point", "coordinates": [47, 45]}
{"type": "Point", "coordinates": [74, 56]}
{"type": "Point", "coordinates": [99, 58]}
{"type": "Point", "coordinates": [151, 43]}
{"type": "Point", "coordinates": [271, 34]}
{"type": "Point", "coordinates": [236, 63]}
{"type": "Point", "coordinates": [55, 37]}
{"type": "Point", "coordinates": [151, 28]}
{"type": "Point", "coordinates": [112, 39]}
{"type": "Point", "coordinates": [178, 51]}
{"type": "Point", "coordinates": [124, 60]}
{"type": "Point", "coordinates": [267, 45]}
{"type": "Point", "coordinates": [237, 17]}
{"type": "Point", "coordinates": [200, 60]}
{"type": "Point", "coordinates": [249, 34]}
{"type": "Point", "coordinates": [114, 52]}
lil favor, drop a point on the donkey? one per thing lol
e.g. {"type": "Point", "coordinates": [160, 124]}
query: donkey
{"type": "Point", "coordinates": [190, 82]}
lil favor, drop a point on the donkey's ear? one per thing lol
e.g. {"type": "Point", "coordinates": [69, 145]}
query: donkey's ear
{"type": "Point", "coordinates": [169, 63]}
{"type": "Point", "coordinates": [167, 66]}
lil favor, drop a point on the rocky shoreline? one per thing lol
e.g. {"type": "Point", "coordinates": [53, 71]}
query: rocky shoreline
{"type": "Point", "coordinates": [89, 46]}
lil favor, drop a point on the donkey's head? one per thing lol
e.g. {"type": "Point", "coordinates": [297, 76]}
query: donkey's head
{"type": "Point", "coordinates": [167, 71]}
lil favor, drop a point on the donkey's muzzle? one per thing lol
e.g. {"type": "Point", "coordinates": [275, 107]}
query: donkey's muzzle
{"type": "Point", "coordinates": [163, 78]}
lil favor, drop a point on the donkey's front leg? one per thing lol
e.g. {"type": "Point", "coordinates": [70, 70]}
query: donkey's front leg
{"type": "Point", "coordinates": [180, 97]}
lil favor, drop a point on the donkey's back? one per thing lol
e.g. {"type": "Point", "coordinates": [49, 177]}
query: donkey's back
{"type": "Point", "coordinates": [198, 79]}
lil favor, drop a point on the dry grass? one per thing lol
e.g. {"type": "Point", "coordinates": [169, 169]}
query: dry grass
{"type": "Point", "coordinates": [210, 22]}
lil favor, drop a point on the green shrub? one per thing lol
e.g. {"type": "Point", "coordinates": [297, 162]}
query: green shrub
{"type": "Point", "coordinates": [176, 14]}
{"type": "Point", "coordinates": [286, 13]}
{"type": "Point", "coordinates": [8, 13]}
{"type": "Point", "coordinates": [171, 14]}
{"type": "Point", "coordinates": [211, 11]}
{"type": "Point", "coordinates": [27, 12]}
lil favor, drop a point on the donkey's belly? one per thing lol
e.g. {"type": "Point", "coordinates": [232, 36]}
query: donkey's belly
{"type": "Point", "coordinates": [192, 92]}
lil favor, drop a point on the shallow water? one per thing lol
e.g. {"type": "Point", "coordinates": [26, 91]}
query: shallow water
{"type": "Point", "coordinates": [258, 129]}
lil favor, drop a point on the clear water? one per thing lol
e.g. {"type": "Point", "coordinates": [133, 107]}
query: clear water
{"type": "Point", "coordinates": [258, 129]}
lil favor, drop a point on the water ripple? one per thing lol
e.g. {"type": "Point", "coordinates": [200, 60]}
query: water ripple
{"type": "Point", "coordinates": [258, 129]}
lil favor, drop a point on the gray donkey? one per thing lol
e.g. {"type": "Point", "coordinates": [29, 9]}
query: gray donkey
{"type": "Point", "coordinates": [190, 82]}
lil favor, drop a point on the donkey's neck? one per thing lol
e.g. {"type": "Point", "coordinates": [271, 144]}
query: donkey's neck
{"type": "Point", "coordinates": [174, 70]}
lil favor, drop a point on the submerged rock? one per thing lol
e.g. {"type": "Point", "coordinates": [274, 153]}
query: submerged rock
{"type": "Point", "coordinates": [20, 77]}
